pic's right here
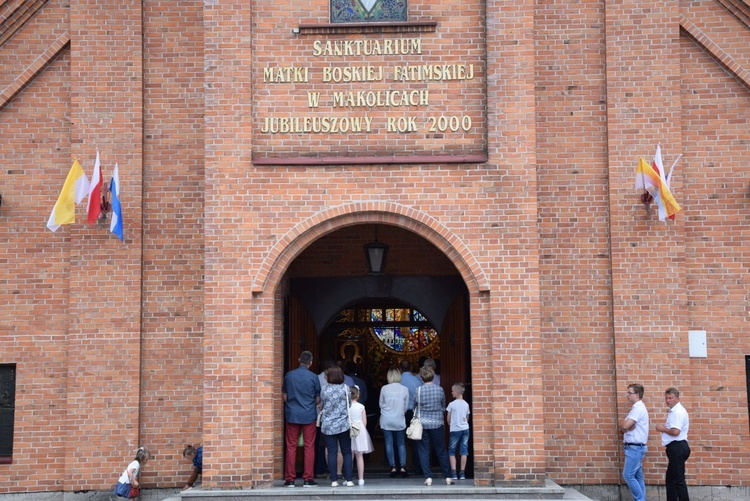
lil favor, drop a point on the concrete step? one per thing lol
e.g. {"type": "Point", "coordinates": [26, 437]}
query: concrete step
{"type": "Point", "coordinates": [406, 489]}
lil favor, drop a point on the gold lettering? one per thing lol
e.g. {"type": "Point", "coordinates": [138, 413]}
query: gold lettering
{"type": "Point", "coordinates": [349, 74]}
{"type": "Point", "coordinates": [288, 74]}
{"type": "Point", "coordinates": [430, 72]}
{"type": "Point", "coordinates": [402, 124]}
{"type": "Point", "coordinates": [380, 99]}
{"type": "Point", "coordinates": [348, 48]}
{"type": "Point", "coordinates": [316, 125]}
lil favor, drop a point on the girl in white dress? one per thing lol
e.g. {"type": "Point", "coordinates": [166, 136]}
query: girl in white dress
{"type": "Point", "coordinates": [363, 443]}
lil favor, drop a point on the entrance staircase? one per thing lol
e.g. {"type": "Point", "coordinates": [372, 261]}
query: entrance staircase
{"type": "Point", "coordinates": [409, 489]}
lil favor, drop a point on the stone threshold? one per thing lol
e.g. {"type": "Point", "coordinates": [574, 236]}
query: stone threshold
{"type": "Point", "coordinates": [387, 488]}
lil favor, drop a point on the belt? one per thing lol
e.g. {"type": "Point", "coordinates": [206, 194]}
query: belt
{"type": "Point", "coordinates": [676, 442]}
{"type": "Point", "coordinates": [636, 445]}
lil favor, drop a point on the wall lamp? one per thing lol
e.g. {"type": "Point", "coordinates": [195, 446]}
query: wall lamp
{"type": "Point", "coordinates": [376, 252]}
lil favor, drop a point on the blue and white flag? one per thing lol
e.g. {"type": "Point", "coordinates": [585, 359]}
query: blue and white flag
{"type": "Point", "coordinates": [114, 188]}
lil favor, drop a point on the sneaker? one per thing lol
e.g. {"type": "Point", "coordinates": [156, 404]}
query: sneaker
{"type": "Point", "coordinates": [454, 476]}
{"type": "Point", "coordinates": [404, 474]}
{"type": "Point", "coordinates": [450, 481]}
{"type": "Point", "coordinates": [462, 476]}
{"type": "Point", "coordinates": [349, 483]}
{"type": "Point", "coordinates": [428, 482]}
{"type": "Point", "coordinates": [310, 483]}
{"type": "Point", "coordinates": [334, 484]}
{"type": "Point", "coordinates": [289, 483]}
{"type": "Point", "coordinates": [361, 481]}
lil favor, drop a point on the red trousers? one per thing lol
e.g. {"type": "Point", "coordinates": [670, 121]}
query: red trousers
{"type": "Point", "coordinates": [292, 436]}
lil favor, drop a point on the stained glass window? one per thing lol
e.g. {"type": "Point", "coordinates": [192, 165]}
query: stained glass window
{"type": "Point", "coordinates": [399, 329]}
{"type": "Point", "coordinates": [368, 11]}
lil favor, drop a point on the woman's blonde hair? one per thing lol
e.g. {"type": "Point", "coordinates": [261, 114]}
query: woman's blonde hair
{"type": "Point", "coordinates": [394, 375]}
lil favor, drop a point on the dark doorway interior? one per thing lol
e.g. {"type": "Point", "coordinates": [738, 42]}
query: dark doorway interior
{"type": "Point", "coordinates": [390, 319]}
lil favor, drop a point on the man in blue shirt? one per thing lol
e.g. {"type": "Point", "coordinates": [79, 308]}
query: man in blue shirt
{"type": "Point", "coordinates": [301, 394]}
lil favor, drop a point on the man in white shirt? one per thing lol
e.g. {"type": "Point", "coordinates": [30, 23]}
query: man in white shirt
{"type": "Point", "coordinates": [635, 437]}
{"type": "Point", "coordinates": [674, 438]}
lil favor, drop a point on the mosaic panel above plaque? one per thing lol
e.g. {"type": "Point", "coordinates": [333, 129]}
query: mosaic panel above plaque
{"type": "Point", "coordinates": [368, 11]}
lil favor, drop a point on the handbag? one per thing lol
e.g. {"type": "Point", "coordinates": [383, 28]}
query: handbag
{"type": "Point", "coordinates": [414, 431]}
{"type": "Point", "coordinates": [353, 425]}
{"type": "Point", "coordinates": [319, 419]}
{"type": "Point", "coordinates": [134, 492]}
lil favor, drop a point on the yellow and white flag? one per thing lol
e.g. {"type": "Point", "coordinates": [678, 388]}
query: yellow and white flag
{"type": "Point", "coordinates": [74, 190]}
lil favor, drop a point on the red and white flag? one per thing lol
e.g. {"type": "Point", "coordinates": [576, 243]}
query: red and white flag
{"type": "Point", "coordinates": [651, 178]}
{"type": "Point", "coordinates": [95, 193]}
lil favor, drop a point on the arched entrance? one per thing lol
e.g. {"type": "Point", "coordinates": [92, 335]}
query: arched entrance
{"type": "Point", "coordinates": [418, 308]}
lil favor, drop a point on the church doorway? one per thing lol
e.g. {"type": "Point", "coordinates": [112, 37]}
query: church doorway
{"type": "Point", "coordinates": [371, 322]}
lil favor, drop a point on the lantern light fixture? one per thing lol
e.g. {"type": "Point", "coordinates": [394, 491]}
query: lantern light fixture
{"type": "Point", "coordinates": [376, 252]}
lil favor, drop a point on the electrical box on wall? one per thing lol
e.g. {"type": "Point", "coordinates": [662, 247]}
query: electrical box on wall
{"type": "Point", "coordinates": [697, 340]}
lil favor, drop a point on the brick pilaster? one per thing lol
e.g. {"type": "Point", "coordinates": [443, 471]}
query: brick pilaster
{"type": "Point", "coordinates": [104, 326]}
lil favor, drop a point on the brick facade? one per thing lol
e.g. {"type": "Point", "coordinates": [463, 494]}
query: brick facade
{"type": "Point", "coordinates": [177, 335]}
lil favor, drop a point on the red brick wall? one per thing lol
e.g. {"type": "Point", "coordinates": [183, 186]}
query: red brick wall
{"type": "Point", "coordinates": [172, 316]}
{"type": "Point", "coordinates": [104, 303]}
{"type": "Point", "coordinates": [238, 391]}
{"type": "Point", "coordinates": [716, 191]}
{"type": "Point", "coordinates": [33, 286]}
{"type": "Point", "coordinates": [576, 282]}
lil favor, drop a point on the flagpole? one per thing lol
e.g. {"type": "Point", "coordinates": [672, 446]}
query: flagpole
{"type": "Point", "coordinates": [645, 194]}
{"type": "Point", "coordinates": [669, 177]}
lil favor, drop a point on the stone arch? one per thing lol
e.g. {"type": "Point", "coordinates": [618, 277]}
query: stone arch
{"type": "Point", "coordinates": [303, 234]}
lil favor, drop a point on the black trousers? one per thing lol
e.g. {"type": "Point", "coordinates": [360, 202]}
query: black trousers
{"type": "Point", "coordinates": [678, 453]}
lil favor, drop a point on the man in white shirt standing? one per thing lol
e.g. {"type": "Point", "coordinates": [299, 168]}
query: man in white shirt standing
{"type": "Point", "coordinates": [674, 438]}
{"type": "Point", "coordinates": [635, 437]}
